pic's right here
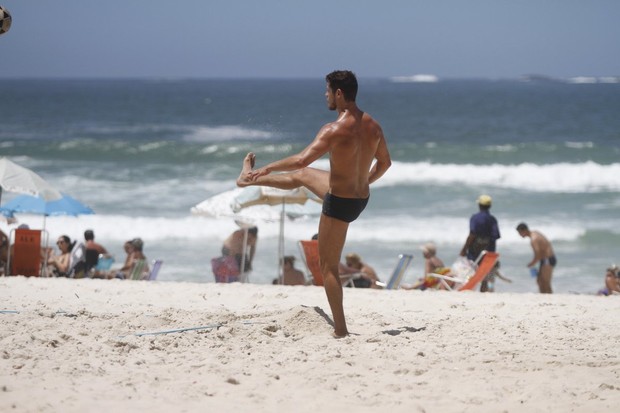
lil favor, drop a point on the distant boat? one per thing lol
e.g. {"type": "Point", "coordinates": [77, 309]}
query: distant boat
{"type": "Point", "coordinates": [415, 79]}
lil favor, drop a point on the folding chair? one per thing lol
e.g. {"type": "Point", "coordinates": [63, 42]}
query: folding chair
{"type": "Point", "coordinates": [310, 256]}
{"type": "Point", "coordinates": [24, 256]}
{"type": "Point", "coordinates": [486, 261]}
{"type": "Point", "coordinates": [399, 271]}
{"type": "Point", "coordinates": [155, 270]}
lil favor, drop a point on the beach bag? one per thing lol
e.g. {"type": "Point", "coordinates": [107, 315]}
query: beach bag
{"type": "Point", "coordinates": [225, 269]}
{"type": "Point", "coordinates": [463, 268]}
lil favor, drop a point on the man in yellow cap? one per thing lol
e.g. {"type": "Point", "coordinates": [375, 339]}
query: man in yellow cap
{"type": "Point", "coordinates": [483, 232]}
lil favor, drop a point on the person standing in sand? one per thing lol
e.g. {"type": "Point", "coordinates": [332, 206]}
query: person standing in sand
{"type": "Point", "coordinates": [483, 234]}
{"type": "Point", "coordinates": [354, 141]}
{"type": "Point", "coordinates": [543, 254]}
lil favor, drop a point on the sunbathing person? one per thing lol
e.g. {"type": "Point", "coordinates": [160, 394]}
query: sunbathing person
{"type": "Point", "coordinates": [368, 277]}
{"type": "Point", "coordinates": [290, 274]}
{"type": "Point", "coordinates": [612, 281]}
{"type": "Point", "coordinates": [133, 248]}
{"type": "Point", "coordinates": [60, 263]}
{"type": "Point", "coordinates": [432, 264]}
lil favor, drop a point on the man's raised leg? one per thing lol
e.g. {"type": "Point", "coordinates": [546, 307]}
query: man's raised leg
{"type": "Point", "coordinates": [316, 180]}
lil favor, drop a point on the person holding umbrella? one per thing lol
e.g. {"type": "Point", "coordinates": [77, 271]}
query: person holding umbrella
{"type": "Point", "coordinates": [354, 142]}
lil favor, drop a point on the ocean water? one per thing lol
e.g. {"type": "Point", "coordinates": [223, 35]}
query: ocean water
{"type": "Point", "coordinates": [142, 153]}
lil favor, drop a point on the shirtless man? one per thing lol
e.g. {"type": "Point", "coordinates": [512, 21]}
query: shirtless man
{"type": "Point", "coordinates": [354, 140]}
{"type": "Point", "coordinates": [543, 255]}
{"type": "Point", "coordinates": [233, 246]}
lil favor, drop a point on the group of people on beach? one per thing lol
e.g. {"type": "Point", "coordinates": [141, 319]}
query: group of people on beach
{"type": "Point", "coordinates": [359, 156]}
{"type": "Point", "coordinates": [87, 263]}
{"type": "Point", "coordinates": [75, 259]}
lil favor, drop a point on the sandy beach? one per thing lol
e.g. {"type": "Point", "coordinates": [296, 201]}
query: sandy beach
{"type": "Point", "coordinates": [95, 345]}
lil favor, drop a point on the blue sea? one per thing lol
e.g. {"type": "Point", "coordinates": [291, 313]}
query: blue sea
{"type": "Point", "coordinates": [143, 152]}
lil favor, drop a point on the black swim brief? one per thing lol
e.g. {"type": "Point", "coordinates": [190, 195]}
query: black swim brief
{"type": "Point", "coordinates": [344, 209]}
{"type": "Point", "coordinates": [551, 261]}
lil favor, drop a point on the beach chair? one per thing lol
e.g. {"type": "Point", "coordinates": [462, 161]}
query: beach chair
{"type": "Point", "coordinates": [310, 256]}
{"type": "Point", "coordinates": [486, 261]}
{"type": "Point", "coordinates": [399, 272]}
{"type": "Point", "coordinates": [309, 250]}
{"type": "Point", "coordinates": [91, 258]}
{"type": "Point", "coordinates": [155, 269]}
{"type": "Point", "coordinates": [77, 261]}
{"type": "Point", "coordinates": [137, 272]}
{"type": "Point", "coordinates": [24, 257]}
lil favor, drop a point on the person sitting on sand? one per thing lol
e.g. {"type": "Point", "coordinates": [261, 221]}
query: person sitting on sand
{"type": "Point", "coordinates": [133, 249]}
{"type": "Point", "coordinates": [612, 281]}
{"type": "Point", "coordinates": [290, 274]}
{"type": "Point", "coordinates": [138, 254]}
{"type": "Point", "coordinates": [124, 270]}
{"type": "Point", "coordinates": [60, 263]}
{"type": "Point", "coordinates": [368, 277]}
{"type": "Point", "coordinates": [93, 250]}
{"type": "Point", "coordinates": [432, 264]}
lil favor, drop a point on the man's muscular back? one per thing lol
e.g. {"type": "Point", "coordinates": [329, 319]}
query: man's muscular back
{"type": "Point", "coordinates": [353, 145]}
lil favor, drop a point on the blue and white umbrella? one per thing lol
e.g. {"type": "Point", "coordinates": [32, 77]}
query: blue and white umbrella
{"type": "Point", "coordinates": [27, 204]}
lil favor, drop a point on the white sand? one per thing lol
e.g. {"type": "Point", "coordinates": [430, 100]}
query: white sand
{"type": "Point", "coordinates": [71, 348]}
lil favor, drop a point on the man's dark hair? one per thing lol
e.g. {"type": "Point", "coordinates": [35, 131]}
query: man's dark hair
{"type": "Point", "coordinates": [253, 231]}
{"type": "Point", "coordinates": [522, 227]}
{"type": "Point", "coordinates": [344, 80]}
{"type": "Point", "coordinates": [89, 235]}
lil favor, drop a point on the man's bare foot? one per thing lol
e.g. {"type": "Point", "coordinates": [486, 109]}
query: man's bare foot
{"type": "Point", "coordinates": [336, 335]}
{"type": "Point", "coordinates": [248, 164]}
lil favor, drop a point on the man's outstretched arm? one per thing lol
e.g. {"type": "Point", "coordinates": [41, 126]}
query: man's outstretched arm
{"type": "Point", "coordinates": [316, 149]}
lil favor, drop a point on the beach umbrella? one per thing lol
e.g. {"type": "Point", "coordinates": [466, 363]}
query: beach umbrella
{"type": "Point", "coordinates": [250, 204]}
{"type": "Point", "coordinates": [263, 195]}
{"type": "Point", "coordinates": [26, 204]}
{"type": "Point", "coordinates": [16, 178]}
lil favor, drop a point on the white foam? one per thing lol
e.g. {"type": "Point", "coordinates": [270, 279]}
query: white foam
{"type": "Point", "coordinates": [370, 229]}
{"type": "Point", "coordinates": [585, 177]}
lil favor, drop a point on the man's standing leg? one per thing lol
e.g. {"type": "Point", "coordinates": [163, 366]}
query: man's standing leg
{"type": "Point", "coordinates": [544, 276]}
{"type": "Point", "coordinates": [332, 236]}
